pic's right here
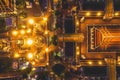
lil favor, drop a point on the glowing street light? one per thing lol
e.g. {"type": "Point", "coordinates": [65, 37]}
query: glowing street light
{"type": "Point", "coordinates": [23, 26]}
{"type": "Point", "coordinates": [90, 62]}
{"type": "Point", "coordinates": [16, 55]}
{"type": "Point", "coordinates": [88, 14]}
{"type": "Point", "coordinates": [29, 30]}
{"type": "Point", "coordinates": [27, 63]}
{"type": "Point", "coordinates": [46, 49]}
{"type": "Point", "coordinates": [29, 41]}
{"type": "Point", "coordinates": [33, 63]}
{"type": "Point", "coordinates": [46, 32]}
{"type": "Point", "coordinates": [98, 14]}
{"type": "Point", "coordinates": [77, 23]}
{"type": "Point", "coordinates": [77, 53]}
{"type": "Point", "coordinates": [47, 63]}
{"type": "Point", "coordinates": [118, 63]}
{"type": "Point", "coordinates": [31, 21]}
{"type": "Point", "coordinates": [22, 32]}
{"type": "Point", "coordinates": [14, 32]}
{"type": "Point", "coordinates": [23, 68]}
{"type": "Point", "coordinates": [100, 62]}
{"type": "Point", "coordinates": [45, 19]}
{"type": "Point", "coordinates": [30, 55]}
{"type": "Point", "coordinates": [116, 14]}
{"type": "Point", "coordinates": [33, 69]}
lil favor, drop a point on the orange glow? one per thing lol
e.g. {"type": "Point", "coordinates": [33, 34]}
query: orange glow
{"type": "Point", "coordinates": [16, 55]}
{"type": "Point", "coordinates": [33, 69]}
{"type": "Point", "coordinates": [88, 14]}
{"type": "Point", "coordinates": [98, 14]}
{"type": "Point", "coordinates": [77, 47]}
{"type": "Point", "coordinates": [30, 55]}
{"type": "Point", "coordinates": [116, 14]}
{"type": "Point", "coordinates": [47, 63]}
{"type": "Point", "coordinates": [29, 41]}
{"type": "Point", "coordinates": [77, 23]}
{"type": "Point", "coordinates": [23, 26]}
{"type": "Point", "coordinates": [22, 32]}
{"type": "Point", "coordinates": [78, 53]}
{"type": "Point", "coordinates": [45, 19]}
{"type": "Point", "coordinates": [118, 63]}
{"type": "Point", "coordinates": [31, 21]}
{"type": "Point", "coordinates": [55, 1]}
{"type": "Point", "coordinates": [90, 62]}
{"type": "Point", "coordinates": [46, 32]}
{"type": "Point", "coordinates": [46, 49]}
{"type": "Point", "coordinates": [100, 62]}
{"type": "Point", "coordinates": [14, 32]}
{"type": "Point", "coordinates": [28, 30]}
{"type": "Point", "coordinates": [33, 63]}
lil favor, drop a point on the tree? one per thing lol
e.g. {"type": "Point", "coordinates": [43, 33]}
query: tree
{"type": "Point", "coordinates": [20, 4]}
{"type": "Point", "coordinates": [57, 55]}
{"type": "Point", "coordinates": [43, 75]}
{"type": "Point", "coordinates": [54, 40]}
{"type": "Point", "coordinates": [2, 25]}
{"type": "Point", "coordinates": [23, 14]}
{"type": "Point", "coordinates": [25, 72]}
{"type": "Point", "coordinates": [58, 69]}
{"type": "Point", "coordinates": [5, 64]}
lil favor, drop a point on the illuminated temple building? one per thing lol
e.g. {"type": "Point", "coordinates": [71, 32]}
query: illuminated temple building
{"type": "Point", "coordinates": [79, 37]}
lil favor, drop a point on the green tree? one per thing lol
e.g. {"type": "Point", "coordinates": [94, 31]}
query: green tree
{"type": "Point", "coordinates": [5, 64]}
{"type": "Point", "coordinates": [58, 69]}
{"type": "Point", "coordinates": [20, 4]}
{"type": "Point", "coordinates": [2, 25]}
{"type": "Point", "coordinates": [25, 72]}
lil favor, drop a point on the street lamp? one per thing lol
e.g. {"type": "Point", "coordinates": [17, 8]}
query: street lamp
{"type": "Point", "coordinates": [116, 14]}
{"type": "Point", "coordinates": [23, 26]}
{"type": "Point", "coordinates": [98, 14]}
{"type": "Point", "coordinates": [46, 32]}
{"type": "Point", "coordinates": [77, 23]}
{"type": "Point", "coordinates": [90, 62]}
{"type": "Point", "coordinates": [29, 41]}
{"type": "Point", "coordinates": [22, 31]}
{"type": "Point", "coordinates": [15, 32]}
{"type": "Point", "coordinates": [45, 19]}
{"type": "Point", "coordinates": [88, 14]}
{"type": "Point", "coordinates": [16, 55]}
{"type": "Point", "coordinates": [46, 49]}
{"type": "Point", "coordinates": [30, 55]}
{"type": "Point", "coordinates": [28, 30]}
{"type": "Point", "coordinates": [31, 21]}
{"type": "Point", "coordinates": [33, 63]}
{"type": "Point", "coordinates": [100, 62]}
